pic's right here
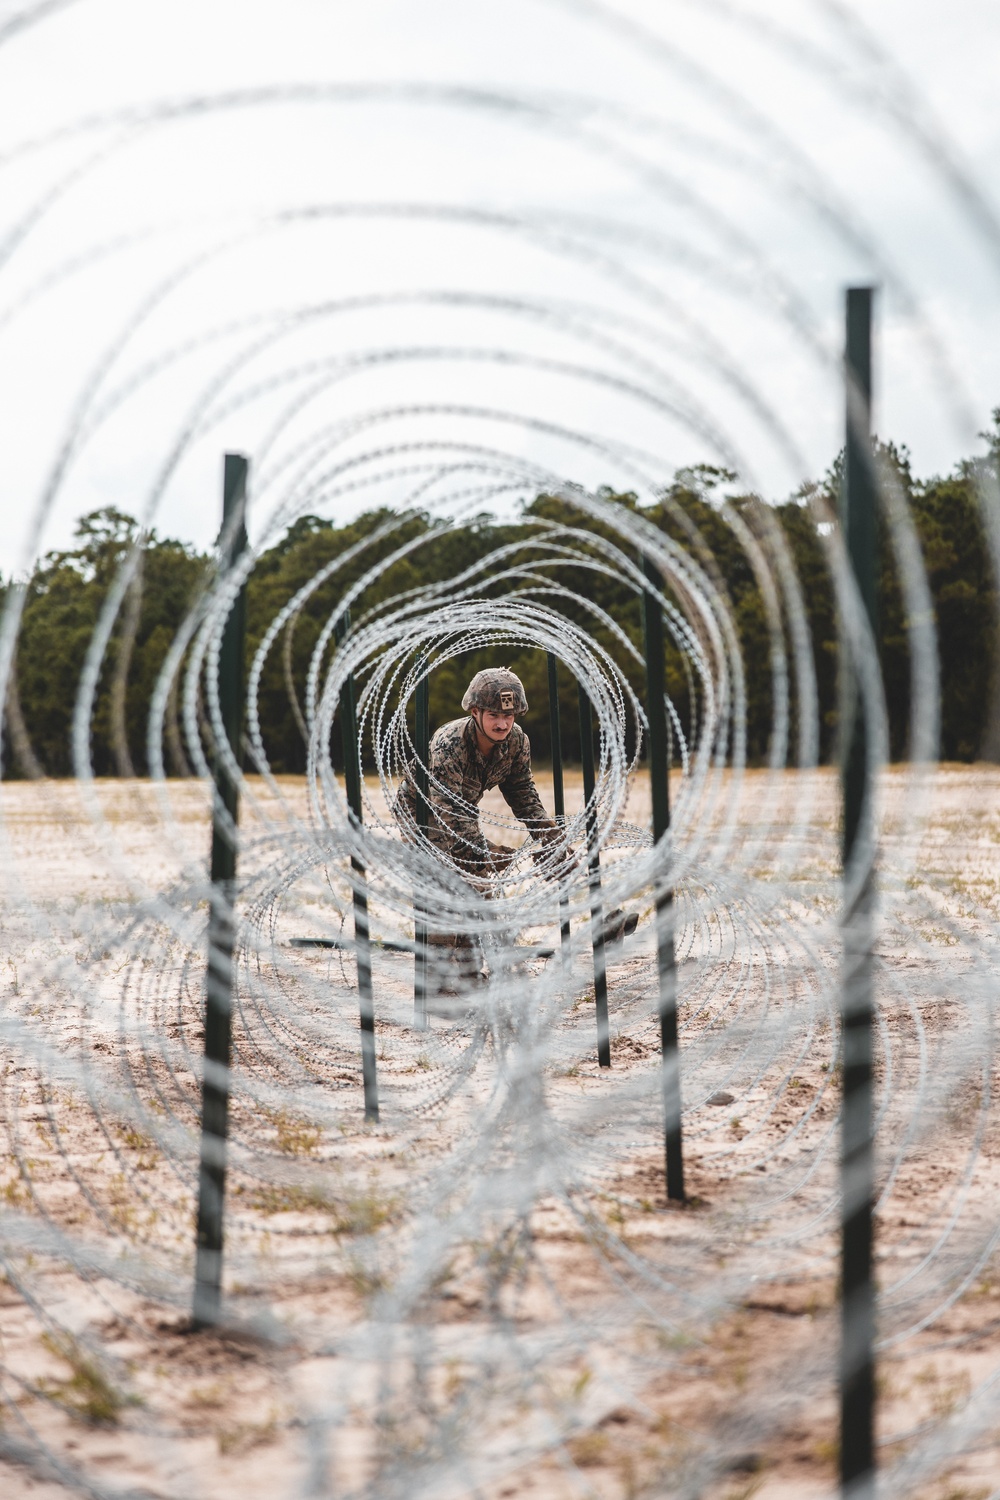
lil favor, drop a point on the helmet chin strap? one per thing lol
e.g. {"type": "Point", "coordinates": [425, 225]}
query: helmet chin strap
{"type": "Point", "coordinates": [476, 714]}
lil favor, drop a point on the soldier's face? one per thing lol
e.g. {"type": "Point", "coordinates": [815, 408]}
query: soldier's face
{"type": "Point", "coordinates": [496, 727]}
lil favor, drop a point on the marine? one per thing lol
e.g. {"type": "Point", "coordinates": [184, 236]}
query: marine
{"type": "Point", "coordinates": [468, 757]}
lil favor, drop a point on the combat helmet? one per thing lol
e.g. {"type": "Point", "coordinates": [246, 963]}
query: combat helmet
{"type": "Point", "coordinates": [496, 689]}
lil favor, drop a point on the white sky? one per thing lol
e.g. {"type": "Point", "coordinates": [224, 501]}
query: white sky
{"type": "Point", "coordinates": [649, 208]}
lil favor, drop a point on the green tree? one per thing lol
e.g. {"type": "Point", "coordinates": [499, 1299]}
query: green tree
{"type": "Point", "coordinates": [62, 606]}
{"type": "Point", "coordinates": [702, 511]}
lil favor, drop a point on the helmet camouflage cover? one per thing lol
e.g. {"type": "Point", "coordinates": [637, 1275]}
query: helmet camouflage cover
{"type": "Point", "coordinates": [498, 690]}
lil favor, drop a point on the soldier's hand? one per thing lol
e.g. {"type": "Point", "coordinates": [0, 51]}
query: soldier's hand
{"type": "Point", "coordinates": [502, 857]}
{"type": "Point", "coordinates": [556, 863]}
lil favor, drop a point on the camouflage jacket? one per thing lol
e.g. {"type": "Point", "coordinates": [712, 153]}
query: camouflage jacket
{"type": "Point", "coordinates": [460, 775]}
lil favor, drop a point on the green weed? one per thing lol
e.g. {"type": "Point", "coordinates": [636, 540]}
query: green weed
{"type": "Point", "coordinates": [296, 1137]}
{"type": "Point", "coordinates": [87, 1393]}
{"type": "Point", "coordinates": [246, 1435]}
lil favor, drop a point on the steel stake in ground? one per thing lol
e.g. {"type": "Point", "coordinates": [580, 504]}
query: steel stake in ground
{"type": "Point", "coordinates": [596, 905]}
{"type": "Point", "coordinates": [858, 520]}
{"type": "Point", "coordinates": [221, 921]}
{"type": "Point", "coordinates": [558, 793]}
{"type": "Point", "coordinates": [421, 743]}
{"type": "Point", "coordinates": [659, 779]}
{"type": "Point", "coordinates": [352, 781]}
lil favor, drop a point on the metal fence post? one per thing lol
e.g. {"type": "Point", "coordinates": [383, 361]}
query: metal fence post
{"type": "Point", "coordinates": [421, 741]}
{"type": "Point", "coordinates": [858, 519]}
{"type": "Point", "coordinates": [659, 781]}
{"type": "Point", "coordinates": [558, 793]}
{"type": "Point", "coordinates": [362, 943]}
{"type": "Point", "coordinates": [219, 983]}
{"type": "Point", "coordinates": [596, 906]}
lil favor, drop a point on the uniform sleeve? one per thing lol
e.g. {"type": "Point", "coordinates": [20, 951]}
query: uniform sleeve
{"type": "Point", "coordinates": [454, 822]}
{"type": "Point", "coordinates": [521, 794]}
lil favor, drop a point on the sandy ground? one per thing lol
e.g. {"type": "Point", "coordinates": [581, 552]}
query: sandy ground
{"type": "Point", "coordinates": [599, 1341]}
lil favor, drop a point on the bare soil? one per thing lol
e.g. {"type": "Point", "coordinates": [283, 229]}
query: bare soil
{"type": "Point", "coordinates": [608, 1342]}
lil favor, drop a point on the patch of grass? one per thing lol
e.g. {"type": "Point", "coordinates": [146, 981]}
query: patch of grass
{"type": "Point", "coordinates": [616, 1217]}
{"type": "Point", "coordinates": [358, 1213]}
{"type": "Point", "coordinates": [815, 1304]}
{"type": "Point", "coordinates": [207, 1397]}
{"type": "Point", "coordinates": [296, 1137]}
{"type": "Point", "coordinates": [963, 1105]}
{"type": "Point", "coordinates": [423, 1061]}
{"type": "Point", "coordinates": [675, 1342]}
{"type": "Point", "coordinates": [289, 1199]}
{"type": "Point", "coordinates": [588, 1450]}
{"type": "Point", "coordinates": [951, 1394]}
{"type": "Point", "coordinates": [123, 1210]}
{"type": "Point", "coordinates": [365, 1212]}
{"type": "Point", "coordinates": [88, 1393]}
{"type": "Point", "coordinates": [14, 1193]}
{"type": "Point", "coordinates": [938, 935]}
{"type": "Point", "coordinates": [365, 1280]}
{"type": "Point", "coordinates": [246, 1435]}
{"type": "Point", "coordinates": [135, 1140]}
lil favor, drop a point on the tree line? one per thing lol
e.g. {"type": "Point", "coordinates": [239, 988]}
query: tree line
{"type": "Point", "coordinates": [67, 589]}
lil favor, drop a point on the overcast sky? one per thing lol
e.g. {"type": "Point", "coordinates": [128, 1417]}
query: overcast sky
{"type": "Point", "coordinates": [595, 241]}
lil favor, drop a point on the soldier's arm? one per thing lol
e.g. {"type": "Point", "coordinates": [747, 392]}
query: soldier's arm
{"type": "Point", "coordinates": [521, 795]}
{"type": "Point", "coordinates": [454, 823]}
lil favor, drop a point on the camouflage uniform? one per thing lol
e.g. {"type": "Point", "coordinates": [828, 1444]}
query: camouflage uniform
{"type": "Point", "coordinates": [459, 777]}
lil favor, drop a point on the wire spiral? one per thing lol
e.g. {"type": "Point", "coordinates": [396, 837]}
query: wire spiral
{"type": "Point", "coordinates": [487, 1286]}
